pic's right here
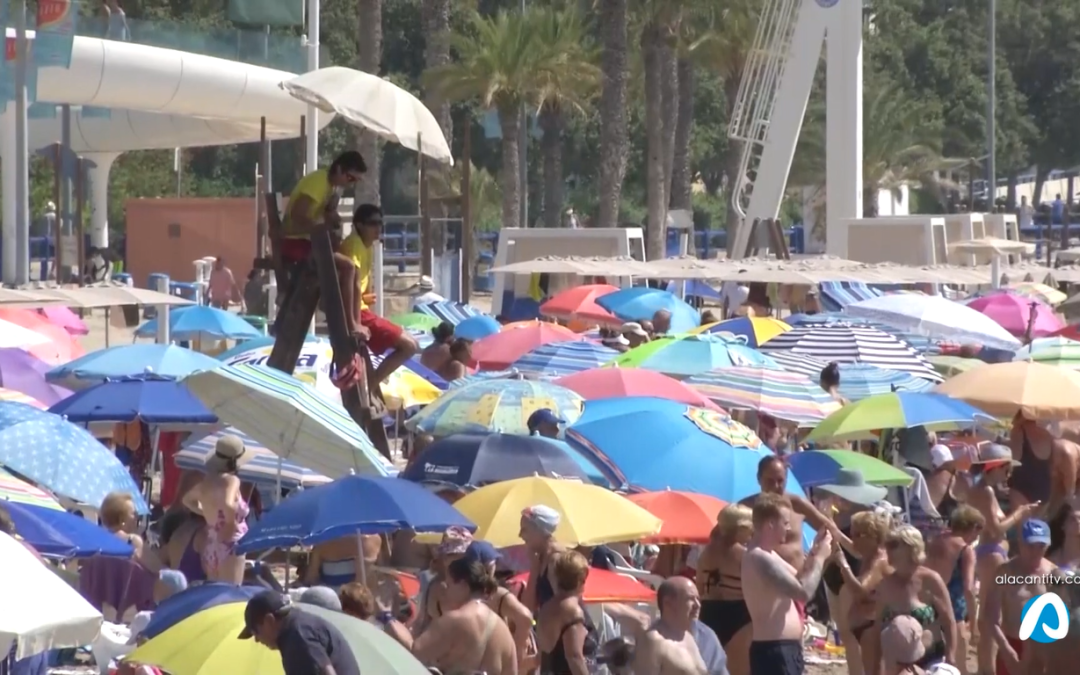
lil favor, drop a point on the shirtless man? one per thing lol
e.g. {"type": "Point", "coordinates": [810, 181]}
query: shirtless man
{"type": "Point", "coordinates": [668, 646]}
{"type": "Point", "coordinates": [1049, 466]}
{"type": "Point", "coordinates": [1000, 618]}
{"type": "Point", "coordinates": [468, 638]}
{"type": "Point", "coordinates": [772, 586]}
{"type": "Point", "coordinates": [661, 322]}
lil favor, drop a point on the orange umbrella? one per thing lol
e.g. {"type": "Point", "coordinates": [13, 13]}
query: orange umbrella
{"type": "Point", "coordinates": [688, 517]}
{"type": "Point", "coordinates": [498, 351]}
{"type": "Point", "coordinates": [604, 586]}
{"type": "Point", "coordinates": [60, 348]}
{"type": "Point", "coordinates": [580, 303]}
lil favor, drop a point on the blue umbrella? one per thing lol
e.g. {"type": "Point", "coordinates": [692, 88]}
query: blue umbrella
{"type": "Point", "coordinates": [64, 535]}
{"type": "Point", "coordinates": [479, 459]}
{"type": "Point", "coordinates": [564, 358]}
{"type": "Point", "coordinates": [154, 401]}
{"type": "Point", "coordinates": [862, 380]}
{"type": "Point", "coordinates": [477, 327]}
{"type": "Point", "coordinates": [351, 505]}
{"type": "Point", "coordinates": [201, 322]}
{"type": "Point", "coordinates": [168, 361]}
{"type": "Point", "coordinates": [640, 303]}
{"type": "Point", "coordinates": [62, 457]}
{"type": "Point", "coordinates": [195, 599]}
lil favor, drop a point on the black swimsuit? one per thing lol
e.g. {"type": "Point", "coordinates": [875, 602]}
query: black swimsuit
{"type": "Point", "coordinates": [725, 617]}
{"type": "Point", "coordinates": [1032, 477]}
{"type": "Point", "coordinates": [555, 663]}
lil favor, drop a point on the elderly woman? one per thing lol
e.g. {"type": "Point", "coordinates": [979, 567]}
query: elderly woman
{"type": "Point", "coordinates": [856, 596]}
{"type": "Point", "coordinates": [118, 515]}
{"type": "Point", "coordinates": [217, 498]}
{"type": "Point", "coordinates": [564, 634]}
{"type": "Point", "coordinates": [914, 590]}
{"type": "Point", "coordinates": [719, 582]}
{"type": "Point", "coordinates": [454, 543]}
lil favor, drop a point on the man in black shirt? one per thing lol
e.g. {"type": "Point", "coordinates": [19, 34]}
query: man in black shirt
{"type": "Point", "coordinates": [309, 645]}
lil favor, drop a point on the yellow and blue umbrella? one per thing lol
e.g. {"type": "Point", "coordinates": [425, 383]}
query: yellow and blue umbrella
{"type": "Point", "coordinates": [502, 406]}
{"type": "Point", "coordinates": [756, 330]}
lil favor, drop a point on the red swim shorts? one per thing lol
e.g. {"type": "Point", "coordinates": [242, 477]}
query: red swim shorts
{"type": "Point", "coordinates": [384, 333]}
{"type": "Point", "coordinates": [295, 250]}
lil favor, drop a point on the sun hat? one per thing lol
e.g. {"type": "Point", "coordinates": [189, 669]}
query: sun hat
{"type": "Point", "coordinates": [850, 485]}
{"type": "Point", "coordinates": [229, 455]}
{"type": "Point", "coordinates": [901, 641]}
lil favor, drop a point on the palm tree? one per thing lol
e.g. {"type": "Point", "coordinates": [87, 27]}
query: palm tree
{"type": "Point", "coordinates": [612, 22]}
{"type": "Point", "coordinates": [369, 59]}
{"type": "Point", "coordinates": [436, 30]}
{"type": "Point", "coordinates": [485, 198]}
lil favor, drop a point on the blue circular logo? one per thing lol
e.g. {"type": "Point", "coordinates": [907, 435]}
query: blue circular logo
{"type": "Point", "coordinates": [1044, 619]}
{"type": "Point", "coordinates": [827, 3]}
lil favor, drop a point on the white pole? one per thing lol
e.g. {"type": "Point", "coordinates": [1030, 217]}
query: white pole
{"type": "Point", "coordinates": [11, 239]}
{"type": "Point", "coordinates": [163, 337]}
{"type": "Point", "coordinates": [377, 278]}
{"type": "Point", "coordinates": [312, 150]}
{"type": "Point", "coordinates": [22, 163]}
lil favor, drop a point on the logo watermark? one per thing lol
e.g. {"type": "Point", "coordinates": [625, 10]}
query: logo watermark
{"type": "Point", "coordinates": [1044, 619]}
{"type": "Point", "coordinates": [1036, 579]}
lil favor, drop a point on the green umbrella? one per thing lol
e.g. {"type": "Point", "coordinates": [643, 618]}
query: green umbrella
{"type": "Point", "coordinates": [954, 365]}
{"type": "Point", "coordinates": [898, 410]}
{"type": "Point", "coordinates": [819, 467]}
{"type": "Point", "coordinates": [415, 321]}
{"type": "Point", "coordinates": [1052, 351]}
{"type": "Point", "coordinates": [377, 652]}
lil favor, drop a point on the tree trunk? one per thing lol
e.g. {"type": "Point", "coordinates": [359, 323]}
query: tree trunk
{"type": "Point", "coordinates": [655, 148]}
{"type": "Point", "coordinates": [732, 162]}
{"type": "Point", "coordinates": [614, 133]}
{"type": "Point", "coordinates": [369, 40]}
{"type": "Point", "coordinates": [682, 177]}
{"type": "Point", "coordinates": [551, 122]}
{"type": "Point", "coordinates": [669, 79]}
{"type": "Point", "coordinates": [510, 172]}
{"type": "Point", "coordinates": [436, 28]}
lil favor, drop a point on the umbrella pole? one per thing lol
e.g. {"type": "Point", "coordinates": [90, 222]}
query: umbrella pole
{"type": "Point", "coordinates": [360, 558]}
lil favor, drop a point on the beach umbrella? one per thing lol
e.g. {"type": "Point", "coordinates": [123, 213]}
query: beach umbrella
{"type": "Point", "coordinates": [19, 397]}
{"type": "Point", "coordinates": [687, 355]}
{"type": "Point", "coordinates": [289, 418]}
{"type": "Point", "coordinates": [689, 518]}
{"type": "Point", "coordinates": [416, 321]}
{"type": "Point", "coordinates": [479, 459]}
{"type": "Point", "coordinates": [114, 363]}
{"type": "Point", "coordinates": [13, 489]}
{"type": "Point", "coordinates": [1052, 351]}
{"type": "Point", "coordinates": [58, 346]}
{"type": "Point", "coordinates": [920, 343]}
{"type": "Point", "coordinates": [936, 317]}
{"type": "Point", "coordinates": [263, 468]}
{"type": "Point", "coordinates": [1041, 292]}
{"type": "Point", "coordinates": [66, 319]}
{"type": "Point", "coordinates": [564, 358]}
{"type": "Point", "coordinates": [65, 535]}
{"type": "Point", "coordinates": [150, 400]}
{"type": "Point", "coordinates": [477, 327]}
{"type": "Point", "coordinates": [448, 311]}
{"type": "Point", "coordinates": [898, 410]}
{"type": "Point", "coordinates": [579, 303]}
{"type": "Point", "coordinates": [1016, 312]}
{"type": "Point", "coordinates": [623, 382]}
{"type": "Point", "coordinates": [590, 515]}
{"type": "Point", "coordinates": [502, 406]}
{"type": "Point", "coordinates": [499, 351]}
{"type": "Point", "coordinates": [194, 599]}
{"type": "Point", "coordinates": [1039, 391]}
{"type": "Point", "coordinates": [755, 330]}
{"type": "Point", "coordinates": [487, 375]}
{"type": "Point", "coordinates": [23, 372]}
{"type": "Point", "coordinates": [850, 344]}
{"type": "Point", "coordinates": [351, 505]}
{"type": "Point", "coordinates": [641, 303]}
{"type": "Point", "coordinates": [14, 335]}
{"type": "Point", "coordinates": [797, 362]}
{"type": "Point", "coordinates": [953, 365]}
{"type": "Point", "coordinates": [821, 467]}
{"type": "Point", "coordinates": [206, 643]}
{"type": "Point", "coordinates": [603, 586]}
{"type": "Point", "coordinates": [201, 322]}
{"type": "Point", "coordinates": [64, 458]}
{"type": "Point", "coordinates": [786, 396]}
{"type": "Point", "coordinates": [862, 380]}
{"type": "Point", "coordinates": [42, 612]}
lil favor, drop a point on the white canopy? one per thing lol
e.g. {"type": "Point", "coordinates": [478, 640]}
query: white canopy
{"type": "Point", "coordinates": [38, 608]}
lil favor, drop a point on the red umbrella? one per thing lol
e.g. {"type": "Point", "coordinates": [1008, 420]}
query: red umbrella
{"type": "Point", "coordinates": [604, 586]}
{"type": "Point", "coordinates": [580, 303]}
{"type": "Point", "coordinates": [498, 351]}
{"type": "Point", "coordinates": [688, 517]}
{"type": "Point", "coordinates": [621, 382]}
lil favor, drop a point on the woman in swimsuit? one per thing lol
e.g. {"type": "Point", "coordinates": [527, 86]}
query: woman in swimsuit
{"type": "Point", "coordinates": [868, 532]}
{"type": "Point", "coordinates": [564, 634]}
{"type": "Point", "coordinates": [455, 541]}
{"type": "Point", "coordinates": [719, 581]}
{"type": "Point", "coordinates": [917, 591]}
{"type": "Point", "coordinates": [182, 546]}
{"type": "Point", "coordinates": [218, 500]}
{"type": "Point", "coordinates": [504, 603]}
{"type": "Point", "coordinates": [951, 555]}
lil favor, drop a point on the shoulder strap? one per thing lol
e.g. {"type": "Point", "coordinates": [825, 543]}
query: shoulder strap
{"type": "Point", "coordinates": [489, 628]}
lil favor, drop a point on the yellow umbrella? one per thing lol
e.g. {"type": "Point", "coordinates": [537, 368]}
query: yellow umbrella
{"type": "Point", "coordinates": [1039, 391]}
{"type": "Point", "coordinates": [590, 515]}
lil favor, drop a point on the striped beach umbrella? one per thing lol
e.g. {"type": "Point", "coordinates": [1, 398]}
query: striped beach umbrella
{"type": "Point", "coordinates": [564, 358]}
{"type": "Point", "coordinates": [1053, 351]}
{"type": "Point", "coordinates": [849, 344]}
{"type": "Point", "coordinates": [857, 380]}
{"type": "Point", "coordinates": [786, 396]}
{"type": "Point", "coordinates": [262, 469]}
{"type": "Point", "coordinates": [13, 489]}
{"type": "Point", "coordinates": [502, 406]}
{"type": "Point", "coordinates": [448, 310]}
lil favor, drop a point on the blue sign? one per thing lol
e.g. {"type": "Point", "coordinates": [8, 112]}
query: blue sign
{"type": "Point", "coordinates": [55, 37]}
{"type": "Point", "coordinates": [1044, 619]}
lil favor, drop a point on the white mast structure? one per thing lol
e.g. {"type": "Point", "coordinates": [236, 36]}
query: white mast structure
{"type": "Point", "coordinates": [771, 103]}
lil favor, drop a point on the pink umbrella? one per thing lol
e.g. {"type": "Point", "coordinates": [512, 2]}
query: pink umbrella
{"type": "Point", "coordinates": [621, 382]}
{"type": "Point", "coordinates": [1014, 313]}
{"type": "Point", "coordinates": [66, 319]}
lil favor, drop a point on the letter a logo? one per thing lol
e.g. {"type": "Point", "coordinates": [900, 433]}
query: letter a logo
{"type": "Point", "coordinates": [1032, 625]}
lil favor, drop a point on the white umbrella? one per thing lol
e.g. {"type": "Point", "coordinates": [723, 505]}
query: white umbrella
{"type": "Point", "coordinates": [375, 104]}
{"type": "Point", "coordinates": [14, 335]}
{"type": "Point", "coordinates": [40, 611]}
{"type": "Point", "coordinates": [934, 316]}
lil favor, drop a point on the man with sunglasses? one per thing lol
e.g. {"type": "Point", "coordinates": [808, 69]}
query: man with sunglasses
{"type": "Point", "coordinates": [312, 204]}
{"type": "Point", "coordinates": [382, 335]}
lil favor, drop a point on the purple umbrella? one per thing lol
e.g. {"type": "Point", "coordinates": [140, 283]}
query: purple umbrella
{"type": "Point", "coordinates": [25, 373]}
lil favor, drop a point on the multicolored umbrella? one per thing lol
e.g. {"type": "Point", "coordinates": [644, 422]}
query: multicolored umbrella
{"type": "Point", "coordinates": [1039, 391]}
{"type": "Point", "coordinates": [502, 406]}
{"type": "Point", "coordinates": [13, 489]}
{"type": "Point", "coordinates": [1016, 312]}
{"type": "Point", "coordinates": [416, 321]}
{"type": "Point", "coordinates": [819, 467]}
{"type": "Point", "coordinates": [898, 410]}
{"type": "Point", "coordinates": [262, 469]}
{"type": "Point", "coordinates": [756, 330]}
{"type": "Point", "coordinates": [850, 343]}
{"type": "Point", "coordinates": [783, 395]}
{"type": "Point", "coordinates": [641, 303]}
{"type": "Point", "coordinates": [448, 310]}
{"type": "Point", "coordinates": [623, 382]}
{"type": "Point", "coordinates": [687, 355]}
{"type": "Point", "coordinates": [564, 358]}
{"type": "Point", "coordinates": [1053, 351]}
{"type": "Point", "coordinates": [1041, 292]}
{"type": "Point", "coordinates": [935, 316]}
{"type": "Point", "coordinates": [497, 352]}
{"type": "Point", "coordinates": [580, 303]}
{"type": "Point", "coordinates": [688, 518]}
{"type": "Point", "coordinates": [56, 345]}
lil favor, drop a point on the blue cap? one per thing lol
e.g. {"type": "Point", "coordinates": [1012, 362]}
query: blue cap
{"type": "Point", "coordinates": [1035, 532]}
{"type": "Point", "coordinates": [543, 416]}
{"type": "Point", "coordinates": [482, 552]}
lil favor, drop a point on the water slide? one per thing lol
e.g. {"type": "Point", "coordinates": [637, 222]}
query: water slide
{"type": "Point", "coordinates": [159, 98]}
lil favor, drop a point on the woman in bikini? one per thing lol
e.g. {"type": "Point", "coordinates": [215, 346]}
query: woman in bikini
{"type": "Point", "coordinates": [333, 563]}
{"type": "Point", "coordinates": [719, 581]}
{"type": "Point", "coordinates": [218, 500]}
{"type": "Point", "coordinates": [564, 634]}
{"type": "Point", "coordinates": [867, 543]}
{"type": "Point", "coordinates": [951, 555]}
{"type": "Point", "coordinates": [914, 590]}
{"type": "Point", "coordinates": [988, 475]}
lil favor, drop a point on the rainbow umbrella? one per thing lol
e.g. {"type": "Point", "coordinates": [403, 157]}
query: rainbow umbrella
{"type": "Point", "coordinates": [783, 395]}
{"type": "Point", "coordinates": [687, 355]}
{"type": "Point", "coordinates": [13, 489]}
{"type": "Point", "coordinates": [502, 406]}
{"type": "Point", "coordinates": [756, 330]}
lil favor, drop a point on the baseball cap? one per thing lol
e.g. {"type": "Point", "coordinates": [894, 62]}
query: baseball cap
{"type": "Point", "coordinates": [940, 455]}
{"type": "Point", "coordinates": [482, 552]}
{"type": "Point", "coordinates": [543, 416]}
{"type": "Point", "coordinates": [1035, 532]}
{"type": "Point", "coordinates": [259, 607]}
